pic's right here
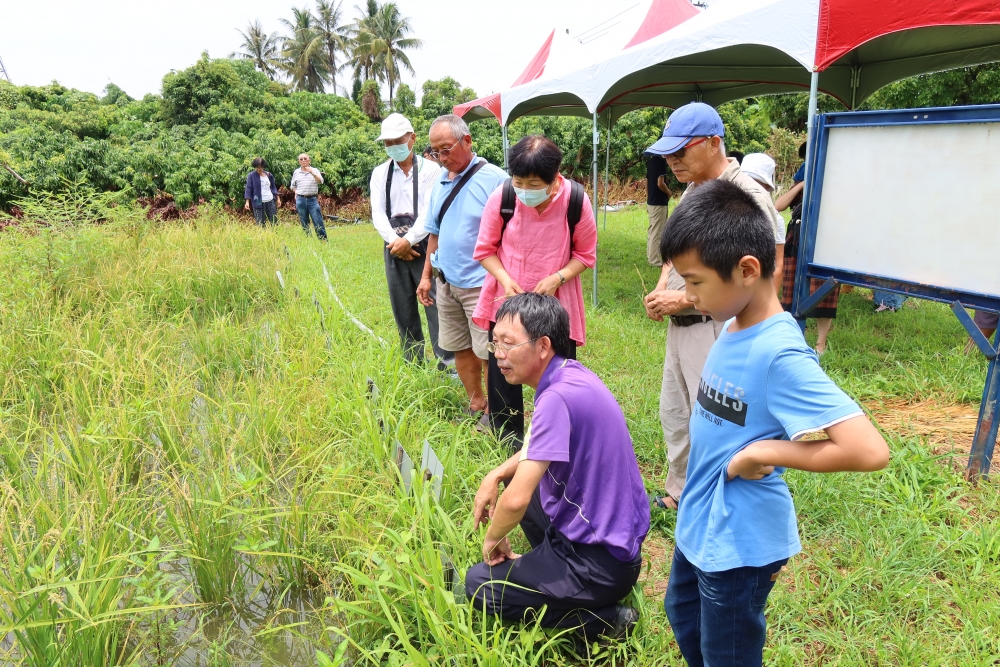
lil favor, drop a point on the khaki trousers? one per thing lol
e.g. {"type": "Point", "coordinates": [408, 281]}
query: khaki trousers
{"type": "Point", "coordinates": [657, 221]}
{"type": "Point", "coordinates": [687, 350]}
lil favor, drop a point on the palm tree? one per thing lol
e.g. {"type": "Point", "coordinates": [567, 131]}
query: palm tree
{"type": "Point", "coordinates": [361, 40]}
{"type": "Point", "coordinates": [261, 48]}
{"type": "Point", "coordinates": [304, 56]}
{"type": "Point", "coordinates": [390, 30]}
{"type": "Point", "coordinates": [329, 14]}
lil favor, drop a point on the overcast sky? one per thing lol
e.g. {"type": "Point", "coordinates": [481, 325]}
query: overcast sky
{"type": "Point", "coordinates": [134, 43]}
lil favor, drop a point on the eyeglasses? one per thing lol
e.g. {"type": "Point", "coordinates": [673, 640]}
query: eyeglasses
{"type": "Point", "coordinates": [680, 153]}
{"type": "Point", "coordinates": [444, 152]}
{"type": "Point", "coordinates": [493, 346]}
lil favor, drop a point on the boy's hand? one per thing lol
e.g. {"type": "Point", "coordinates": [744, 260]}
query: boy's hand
{"type": "Point", "coordinates": [743, 465]}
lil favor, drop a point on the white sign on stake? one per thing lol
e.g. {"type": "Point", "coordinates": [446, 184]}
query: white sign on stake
{"type": "Point", "coordinates": [405, 465]}
{"type": "Point", "coordinates": [281, 281]}
{"type": "Point", "coordinates": [432, 470]}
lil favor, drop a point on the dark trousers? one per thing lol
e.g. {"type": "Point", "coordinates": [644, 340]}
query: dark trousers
{"type": "Point", "coordinates": [718, 617]}
{"type": "Point", "coordinates": [267, 212]}
{"type": "Point", "coordinates": [402, 277]}
{"type": "Point", "coordinates": [507, 400]}
{"type": "Point", "coordinates": [580, 583]}
{"type": "Point", "coordinates": [308, 207]}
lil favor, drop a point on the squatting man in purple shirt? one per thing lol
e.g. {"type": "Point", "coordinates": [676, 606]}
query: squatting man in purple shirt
{"type": "Point", "coordinates": [574, 488]}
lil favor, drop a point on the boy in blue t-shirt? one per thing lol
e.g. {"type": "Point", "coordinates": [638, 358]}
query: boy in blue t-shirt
{"type": "Point", "coordinates": [762, 389]}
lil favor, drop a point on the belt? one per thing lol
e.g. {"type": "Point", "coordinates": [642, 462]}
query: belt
{"type": "Point", "coordinates": [688, 320]}
{"type": "Point", "coordinates": [306, 196]}
{"type": "Point", "coordinates": [438, 273]}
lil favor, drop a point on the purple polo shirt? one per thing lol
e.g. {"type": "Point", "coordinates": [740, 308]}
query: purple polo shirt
{"type": "Point", "coordinates": [592, 491]}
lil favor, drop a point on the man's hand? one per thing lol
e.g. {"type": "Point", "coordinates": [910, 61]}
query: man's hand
{"type": "Point", "coordinates": [548, 285]}
{"type": "Point", "coordinates": [497, 551]}
{"type": "Point", "coordinates": [485, 502]}
{"type": "Point", "coordinates": [744, 465]}
{"type": "Point", "coordinates": [663, 303]}
{"type": "Point", "coordinates": [402, 249]}
{"type": "Point", "coordinates": [424, 291]}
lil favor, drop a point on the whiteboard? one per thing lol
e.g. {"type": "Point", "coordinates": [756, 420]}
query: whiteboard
{"type": "Point", "coordinates": [919, 203]}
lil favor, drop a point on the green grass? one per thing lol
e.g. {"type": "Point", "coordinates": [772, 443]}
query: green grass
{"type": "Point", "coordinates": [188, 456]}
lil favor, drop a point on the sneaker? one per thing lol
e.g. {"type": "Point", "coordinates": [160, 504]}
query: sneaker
{"type": "Point", "coordinates": [625, 619]}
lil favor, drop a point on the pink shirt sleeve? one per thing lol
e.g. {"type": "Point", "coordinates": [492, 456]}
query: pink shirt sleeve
{"type": "Point", "coordinates": [488, 243]}
{"type": "Point", "coordinates": [584, 236]}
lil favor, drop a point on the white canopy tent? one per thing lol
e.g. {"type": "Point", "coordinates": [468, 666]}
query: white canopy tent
{"type": "Point", "coordinates": [742, 48]}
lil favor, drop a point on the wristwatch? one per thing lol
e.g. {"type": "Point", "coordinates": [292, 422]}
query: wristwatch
{"type": "Point", "coordinates": [562, 278]}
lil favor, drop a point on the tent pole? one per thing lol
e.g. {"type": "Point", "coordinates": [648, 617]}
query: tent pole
{"type": "Point", "coordinates": [506, 144]}
{"type": "Point", "coordinates": [607, 166]}
{"type": "Point", "coordinates": [810, 124]}
{"type": "Point", "coordinates": [597, 137]}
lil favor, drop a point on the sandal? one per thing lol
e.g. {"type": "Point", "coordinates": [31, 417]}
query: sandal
{"type": "Point", "coordinates": [664, 502]}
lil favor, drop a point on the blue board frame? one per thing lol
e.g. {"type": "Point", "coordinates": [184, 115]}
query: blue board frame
{"type": "Point", "coordinates": [985, 438]}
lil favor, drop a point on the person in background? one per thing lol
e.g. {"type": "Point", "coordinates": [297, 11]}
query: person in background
{"type": "Point", "coordinates": [305, 184]}
{"type": "Point", "coordinates": [427, 155]}
{"type": "Point", "coordinates": [453, 216]}
{"type": "Point", "coordinates": [657, 206]}
{"type": "Point", "coordinates": [736, 155]}
{"type": "Point", "coordinates": [400, 192]}
{"type": "Point", "coordinates": [574, 488]}
{"type": "Point", "coordinates": [261, 193]}
{"type": "Point", "coordinates": [987, 323]}
{"type": "Point", "coordinates": [692, 144]}
{"type": "Point", "coordinates": [535, 252]}
{"type": "Point", "coordinates": [826, 310]}
{"type": "Point", "coordinates": [884, 300]}
{"type": "Point", "coordinates": [761, 391]}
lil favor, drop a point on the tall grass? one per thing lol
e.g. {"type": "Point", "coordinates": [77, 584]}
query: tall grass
{"type": "Point", "coordinates": [188, 455]}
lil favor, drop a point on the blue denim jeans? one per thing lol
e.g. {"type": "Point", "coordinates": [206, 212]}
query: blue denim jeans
{"type": "Point", "coordinates": [890, 300]}
{"type": "Point", "coordinates": [267, 212]}
{"type": "Point", "coordinates": [718, 617]}
{"type": "Point", "coordinates": [308, 207]}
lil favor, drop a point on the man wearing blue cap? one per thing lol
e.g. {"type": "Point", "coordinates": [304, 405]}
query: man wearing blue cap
{"type": "Point", "coordinates": [694, 150]}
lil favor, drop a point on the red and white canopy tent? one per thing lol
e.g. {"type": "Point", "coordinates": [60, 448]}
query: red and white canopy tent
{"type": "Point", "coordinates": [743, 48]}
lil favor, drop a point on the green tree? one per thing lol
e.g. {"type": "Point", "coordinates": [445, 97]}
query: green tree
{"type": "Point", "coordinates": [361, 36]}
{"type": "Point", "coordinates": [440, 96]}
{"type": "Point", "coordinates": [979, 84]}
{"type": "Point", "coordinates": [371, 101]}
{"type": "Point", "coordinates": [210, 84]}
{"type": "Point", "coordinates": [305, 52]}
{"type": "Point", "coordinates": [263, 49]}
{"type": "Point", "coordinates": [329, 20]}
{"type": "Point", "coordinates": [405, 101]}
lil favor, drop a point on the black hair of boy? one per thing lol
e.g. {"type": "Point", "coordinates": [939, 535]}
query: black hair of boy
{"type": "Point", "coordinates": [541, 315]}
{"type": "Point", "coordinates": [802, 151]}
{"type": "Point", "coordinates": [535, 155]}
{"type": "Point", "coordinates": [723, 223]}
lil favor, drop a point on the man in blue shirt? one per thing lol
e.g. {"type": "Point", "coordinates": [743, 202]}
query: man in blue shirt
{"type": "Point", "coordinates": [761, 391]}
{"type": "Point", "coordinates": [466, 183]}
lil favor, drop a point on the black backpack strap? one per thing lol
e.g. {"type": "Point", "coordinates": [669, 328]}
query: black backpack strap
{"type": "Point", "coordinates": [575, 209]}
{"type": "Point", "coordinates": [457, 188]}
{"type": "Point", "coordinates": [388, 189]}
{"type": "Point", "coordinates": [507, 203]}
{"type": "Point", "coordinates": [416, 187]}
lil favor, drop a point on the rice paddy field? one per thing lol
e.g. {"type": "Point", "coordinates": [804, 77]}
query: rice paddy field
{"type": "Point", "coordinates": [193, 471]}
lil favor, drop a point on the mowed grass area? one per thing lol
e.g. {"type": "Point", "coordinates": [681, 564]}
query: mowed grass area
{"type": "Point", "coordinates": [191, 471]}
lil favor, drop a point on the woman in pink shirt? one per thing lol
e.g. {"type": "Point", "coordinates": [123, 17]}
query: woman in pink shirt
{"type": "Point", "coordinates": [534, 254]}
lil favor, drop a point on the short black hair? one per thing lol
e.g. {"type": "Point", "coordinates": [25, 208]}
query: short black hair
{"type": "Point", "coordinates": [535, 155]}
{"type": "Point", "coordinates": [723, 223]}
{"type": "Point", "coordinates": [258, 162]}
{"type": "Point", "coordinates": [736, 154]}
{"type": "Point", "coordinates": [541, 315]}
{"type": "Point", "coordinates": [802, 150]}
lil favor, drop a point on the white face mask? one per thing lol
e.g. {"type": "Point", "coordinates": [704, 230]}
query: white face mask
{"type": "Point", "coordinates": [398, 152]}
{"type": "Point", "coordinates": [531, 198]}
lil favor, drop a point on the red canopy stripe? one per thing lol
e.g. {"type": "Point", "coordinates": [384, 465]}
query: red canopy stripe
{"type": "Point", "coordinates": [846, 24]}
{"type": "Point", "coordinates": [536, 67]}
{"type": "Point", "coordinates": [661, 17]}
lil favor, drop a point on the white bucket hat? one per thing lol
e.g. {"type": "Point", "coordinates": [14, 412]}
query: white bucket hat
{"type": "Point", "coordinates": [394, 126]}
{"type": "Point", "coordinates": [760, 167]}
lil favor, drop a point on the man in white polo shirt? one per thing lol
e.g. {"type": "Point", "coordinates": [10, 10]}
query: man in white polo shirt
{"type": "Point", "coordinates": [305, 184]}
{"type": "Point", "coordinates": [400, 193]}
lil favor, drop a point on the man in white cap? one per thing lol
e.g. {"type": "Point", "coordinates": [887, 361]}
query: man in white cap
{"type": "Point", "coordinates": [693, 147]}
{"type": "Point", "coordinates": [400, 192]}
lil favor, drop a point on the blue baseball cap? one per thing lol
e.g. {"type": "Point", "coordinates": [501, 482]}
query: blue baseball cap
{"type": "Point", "coordinates": [685, 123]}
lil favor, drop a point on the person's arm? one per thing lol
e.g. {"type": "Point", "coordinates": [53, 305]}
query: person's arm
{"type": "Point", "coordinates": [510, 509]}
{"type": "Point", "coordinates": [274, 186]}
{"type": "Point", "coordinates": [661, 183]}
{"type": "Point", "coordinates": [485, 502]}
{"type": "Point", "coordinates": [429, 174]}
{"type": "Point", "coordinates": [495, 267]}
{"type": "Point", "coordinates": [785, 200]}
{"type": "Point", "coordinates": [853, 445]}
{"type": "Point", "coordinates": [424, 287]}
{"type": "Point", "coordinates": [291, 184]}
{"type": "Point", "coordinates": [663, 302]}
{"type": "Point", "coordinates": [377, 187]}
{"type": "Point", "coordinates": [314, 172]}
{"type": "Point", "coordinates": [583, 252]}
{"type": "Point", "coordinates": [248, 191]}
